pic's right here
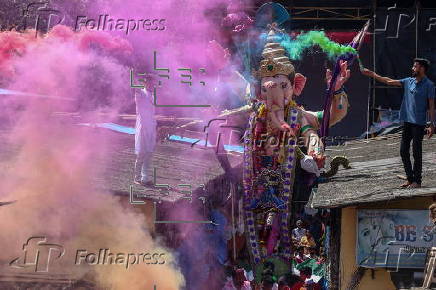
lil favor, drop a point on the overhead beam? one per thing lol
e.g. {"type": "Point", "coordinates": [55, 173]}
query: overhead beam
{"type": "Point", "coordinates": [331, 13]}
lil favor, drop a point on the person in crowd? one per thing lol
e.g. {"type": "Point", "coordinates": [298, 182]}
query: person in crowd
{"type": "Point", "coordinates": [283, 284]}
{"type": "Point", "coordinates": [308, 253]}
{"type": "Point", "coordinates": [299, 255]}
{"type": "Point", "coordinates": [321, 259]}
{"type": "Point", "coordinates": [418, 95]}
{"type": "Point", "coordinates": [268, 278]}
{"type": "Point", "coordinates": [307, 240]}
{"type": "Point", "coordinates": [432, 209]}
{"type": "Point", "coordinates": [305, 282]}
{"type": "Point", "coordinates": [298, 233]}
{"type": "Point", "coordinates": [268, 283]}
{"type": "Point", "coordinates": [238, 281]}
{"type": "Point", "coordinates": [316, 228]}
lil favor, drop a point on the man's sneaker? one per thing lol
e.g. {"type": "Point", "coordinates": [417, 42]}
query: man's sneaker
{"type": "Point", "coordinates": [415, 185]}
{"type": "Point", "coordinates": [406, 184]}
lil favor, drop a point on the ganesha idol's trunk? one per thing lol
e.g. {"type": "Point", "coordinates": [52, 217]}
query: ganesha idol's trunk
{"type": "Point", "coordinates": [275, 105]}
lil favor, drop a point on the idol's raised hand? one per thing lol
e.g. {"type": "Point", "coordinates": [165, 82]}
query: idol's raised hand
{"type": "Point", "coordinates": [344, 75]}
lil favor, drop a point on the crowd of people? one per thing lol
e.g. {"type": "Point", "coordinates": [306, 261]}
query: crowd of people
{"type": "Point", "coordinates": [304, 281]}
{"type": "Point", "coordinates": [307, 264]}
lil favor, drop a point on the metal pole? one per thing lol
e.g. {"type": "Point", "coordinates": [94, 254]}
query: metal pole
{"type": "Point", "coordinates": [369, 117]}
{"type": "Point", "coordinates": [416, 27]}
{"type": "Point", "coordinates": [429, 268]}
{"type": "Point", "coordinates": [232, 192]}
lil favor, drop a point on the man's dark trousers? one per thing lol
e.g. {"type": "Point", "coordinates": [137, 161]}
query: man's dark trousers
{"type": "Point", "coordinates": [415, 133]}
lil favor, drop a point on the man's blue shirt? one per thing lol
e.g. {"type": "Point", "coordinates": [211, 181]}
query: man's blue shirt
{"type": "Point", "coordinates": [415, 100]}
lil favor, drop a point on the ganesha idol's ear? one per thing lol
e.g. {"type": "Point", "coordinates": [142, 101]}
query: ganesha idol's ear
{"type": "Point", "coordinates": [299, 83]}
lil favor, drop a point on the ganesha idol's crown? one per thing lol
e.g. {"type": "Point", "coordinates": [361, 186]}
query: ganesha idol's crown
{"type": "Point", "coordinates": [275, 61]}
{"type": "Point", "coordinates": [271, 67]}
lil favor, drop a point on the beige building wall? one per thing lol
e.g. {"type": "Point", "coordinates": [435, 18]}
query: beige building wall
{"type": "Point", "coordinates": [348, 257]}
{"type": "Point", "coordinates": [381, 278]}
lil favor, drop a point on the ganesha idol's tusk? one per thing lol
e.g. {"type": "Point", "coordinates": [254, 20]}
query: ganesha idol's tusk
{"type": "Point", "coordinates": [341, 103]}
{"type": "Point", "coordinates": [309, 165]}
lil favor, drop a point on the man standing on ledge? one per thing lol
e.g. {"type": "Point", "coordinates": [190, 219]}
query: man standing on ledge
{"type": "Point", "coordinates": [145, 134]}
{"type": "Point", "coordinates": [418, 92]}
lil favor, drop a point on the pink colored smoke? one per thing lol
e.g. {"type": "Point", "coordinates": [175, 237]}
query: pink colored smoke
{"type": "Point", "coordinates": [53, 171]}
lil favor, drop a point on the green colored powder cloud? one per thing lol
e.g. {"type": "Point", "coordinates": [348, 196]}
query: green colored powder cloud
{"type": "Point", "coordinates": [296, 47]}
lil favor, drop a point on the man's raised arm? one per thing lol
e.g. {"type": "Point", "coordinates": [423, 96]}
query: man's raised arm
{"type": "Point", "coordinates": [386, 80]}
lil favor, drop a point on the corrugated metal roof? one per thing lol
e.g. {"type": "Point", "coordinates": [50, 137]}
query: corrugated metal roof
{"type": "Point", "coordinates": [376, 165]}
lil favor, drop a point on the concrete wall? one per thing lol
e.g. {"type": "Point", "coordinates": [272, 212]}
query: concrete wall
{"type": "Point", "coordinates": [378, 278]}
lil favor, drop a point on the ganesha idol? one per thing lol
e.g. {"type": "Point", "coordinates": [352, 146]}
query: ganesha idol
{"type": "Point", "coordinates": [281, 137]}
